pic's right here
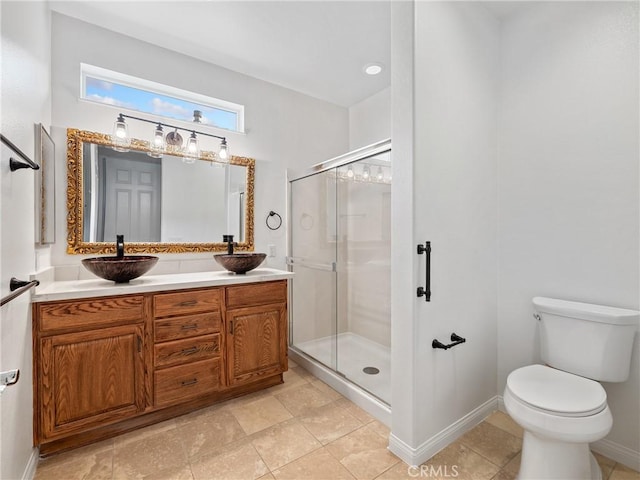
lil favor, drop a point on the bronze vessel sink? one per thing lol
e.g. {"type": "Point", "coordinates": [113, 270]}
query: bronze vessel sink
{"type": "Point", "coordinates": [120, 269]}
{"type": "Point", "coordinates": [240, 262]}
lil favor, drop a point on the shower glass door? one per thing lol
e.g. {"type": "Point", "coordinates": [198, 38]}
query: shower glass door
{"type": "Point", "coordinates": [313, 259]}
{"type": "Point", "coordinates": [340, 252]}
{"type": "Point", "coordinates": [363, 200]}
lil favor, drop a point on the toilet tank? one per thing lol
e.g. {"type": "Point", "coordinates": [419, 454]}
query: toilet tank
{"type": "Point", "coordinates": [592, 341]}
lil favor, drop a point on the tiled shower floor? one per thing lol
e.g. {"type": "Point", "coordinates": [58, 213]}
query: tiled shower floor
{"type": "Point", "coordinates": [299, 430]}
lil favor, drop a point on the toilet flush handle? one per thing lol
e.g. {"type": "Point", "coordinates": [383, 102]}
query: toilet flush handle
{"type": "Point", "coordinates": [536, 316]}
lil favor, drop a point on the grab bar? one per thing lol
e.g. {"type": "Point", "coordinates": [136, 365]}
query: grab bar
{"type": "Point", "coordinates": [426, 290]}
{"type": "Point", "coordinates": [327, 267]}
{"type": "Point", "coordinates": [18, 287]}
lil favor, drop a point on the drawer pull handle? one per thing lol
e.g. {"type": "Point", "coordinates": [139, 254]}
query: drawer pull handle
{"type": "Point", "coordinates": [189, 327]}
{"type": "Point", "coordinates": [189, 382]}
{"type": "Point", "coordinates": [188, 303]}
{"type": "Point", "coordinates": [188, 351]}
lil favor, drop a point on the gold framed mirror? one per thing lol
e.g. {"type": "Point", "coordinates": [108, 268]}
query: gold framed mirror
{"type": "Point", "coordinates": [161, 205]}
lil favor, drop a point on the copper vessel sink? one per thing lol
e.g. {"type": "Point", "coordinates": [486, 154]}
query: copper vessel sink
{"type": "Point", "coordinates": [240, 262]}
{"type": "Point", "coordinates": [120, 269]}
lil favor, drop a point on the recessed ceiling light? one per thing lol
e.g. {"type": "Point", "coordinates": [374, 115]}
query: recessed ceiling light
{"type": "Point", "coordinates": [372, 69]}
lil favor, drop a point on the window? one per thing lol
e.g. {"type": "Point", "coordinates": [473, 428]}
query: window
{"type": "Point", "coordinates": [125, 91]}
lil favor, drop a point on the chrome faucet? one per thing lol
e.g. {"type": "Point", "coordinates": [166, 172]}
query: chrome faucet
{"type": "Point", "coordinates": [228, 239]}
{"type": "Point", "coordinates": [120, 246]}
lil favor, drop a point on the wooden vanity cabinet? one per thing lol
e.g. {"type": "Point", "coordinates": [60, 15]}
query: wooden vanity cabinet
{"type": "Point", "coordinates": [88, 364]}
{"type": "Point", "coordinates": [107, 365]}
{"type": "Point", "coordinates": [256, 319]}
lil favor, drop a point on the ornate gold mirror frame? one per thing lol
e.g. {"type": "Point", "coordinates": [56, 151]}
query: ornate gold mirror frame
{"type": "Point", "coordinates": [75, 205]}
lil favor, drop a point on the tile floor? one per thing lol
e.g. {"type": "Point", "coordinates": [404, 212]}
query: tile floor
{"type": "Point", "coordinates": [300, 430]}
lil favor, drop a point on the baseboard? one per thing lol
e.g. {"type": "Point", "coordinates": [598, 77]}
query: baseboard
{"type": "Point", "coordinates": [32, 464]}
{"type": "Point", "coordinates": [417, 456]}
{"type": "Point", "coordinates": [612, 450]}
{"type": "Point", "coordinates": [617, 452]}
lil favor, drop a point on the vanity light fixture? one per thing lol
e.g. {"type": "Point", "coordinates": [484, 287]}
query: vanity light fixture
{"type": "Point", "coordinates": [380, 175]}
{"type": "Point", "coordinates": [172, 142]}
{"type": "Point", "coordinates": [366, 173]}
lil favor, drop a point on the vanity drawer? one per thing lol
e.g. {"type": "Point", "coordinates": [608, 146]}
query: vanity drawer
{"type": "Point", "coordinates": [92, 313]}
{"type": "Point", "coordinates": [176, 328]}
{"type": "Point", "coordinates": [175, 384]}
{"type": "Point", "coordinates": [181, 351]}
{"type": "Point", "coordinates": [182, 303]}
{"type": "Point", "coordinates": [257, 294]}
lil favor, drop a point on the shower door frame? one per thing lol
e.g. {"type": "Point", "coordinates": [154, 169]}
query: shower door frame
{"type": "Point", "coordinates": [370, 403]}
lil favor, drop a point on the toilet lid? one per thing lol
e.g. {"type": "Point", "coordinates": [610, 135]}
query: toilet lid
{"type": "Point", "coordinates": [556, 391]}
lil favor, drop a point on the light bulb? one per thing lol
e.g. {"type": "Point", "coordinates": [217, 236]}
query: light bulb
{"type": "Point", "coordinates": [223, 154]}
{"type": "Point", "coordinates": [366, 173]}
{"type": "Point", "coordinates": [156, 148]}
{"type": "Point", "coordinates": [120, 137]}
{"type": "Point", "coordinates": [192, 150]}
{"type": "Point", "coordinates": [380, 175]}
{"type": "Point", "coordinates": [350, 171]}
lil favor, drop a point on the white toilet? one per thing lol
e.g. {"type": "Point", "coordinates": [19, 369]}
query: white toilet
{"type": "Point", "coordinates": [560, 405]}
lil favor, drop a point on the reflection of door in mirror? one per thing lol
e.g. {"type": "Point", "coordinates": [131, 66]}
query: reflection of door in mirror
{"type": "Point", "coordinates": [131, 199]}
{"type": "Point", "coordinates": [122, 195]}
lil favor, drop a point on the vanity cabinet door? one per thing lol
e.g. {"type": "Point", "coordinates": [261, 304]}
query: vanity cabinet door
{"type": "Point", "coordinates": [256, 342]}
{"type": "Point", "coordinates": [90, 378]}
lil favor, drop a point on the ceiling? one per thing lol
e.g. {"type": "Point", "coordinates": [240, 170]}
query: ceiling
{"type": "Point", "coordinates": [318, 48]}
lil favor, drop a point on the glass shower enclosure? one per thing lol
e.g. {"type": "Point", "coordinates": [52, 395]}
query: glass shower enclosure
{"type": "Point", "coordinates": [340, 252]}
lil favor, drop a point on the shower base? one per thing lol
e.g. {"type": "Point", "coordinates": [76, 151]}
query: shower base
{"type": "Point", "coordinates": [349, 354]}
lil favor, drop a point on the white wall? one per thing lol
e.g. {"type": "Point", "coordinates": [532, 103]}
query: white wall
{"type": "Point", "coordinates": [285, 129]}
{"type": "Point", "coordinates": [568, 177]}
{"type": "Point", "coordinates": [456, 63]}
{"type": "Point", "coordinates": [25, 101]}
{"type": "Point", "coordinates": [455, 194]}
{"type": "Point", "coordinates": [370, 120]}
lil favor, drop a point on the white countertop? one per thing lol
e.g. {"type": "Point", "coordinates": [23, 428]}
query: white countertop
{"type": "Point", "coordinates": [67, 290]}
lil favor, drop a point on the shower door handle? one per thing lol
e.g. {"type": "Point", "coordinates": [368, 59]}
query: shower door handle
{"type": "Point", "coordinates": [426, 290]}
{"type": "Point", "coordinates": [303, 262]}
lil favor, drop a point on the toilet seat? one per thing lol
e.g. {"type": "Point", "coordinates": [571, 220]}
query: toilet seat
{"type": "Point", "coordinates": [556, 392]}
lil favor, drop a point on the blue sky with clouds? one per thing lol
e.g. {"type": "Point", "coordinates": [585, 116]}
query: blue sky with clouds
{"type": "Point", "coordinates": [156, 104]}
